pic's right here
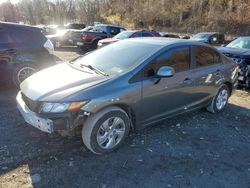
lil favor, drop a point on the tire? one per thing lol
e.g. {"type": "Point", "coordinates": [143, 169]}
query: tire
{"type": "Point", "coordinates": [220, 100]}
{"type": "Point", "coordinates": [17, 75]}
{"type": "Point", "coordinates": [100, 132]}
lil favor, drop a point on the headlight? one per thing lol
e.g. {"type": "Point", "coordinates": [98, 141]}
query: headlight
{"type": "Point", "coordinates": [49, 107]}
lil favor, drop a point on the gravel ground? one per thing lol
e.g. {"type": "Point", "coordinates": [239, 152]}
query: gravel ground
{"type": "Point", "coordinates": [197, 149]}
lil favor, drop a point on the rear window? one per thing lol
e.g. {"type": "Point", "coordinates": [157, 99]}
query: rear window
{"type": "Point", "coordinates": [205, 56]}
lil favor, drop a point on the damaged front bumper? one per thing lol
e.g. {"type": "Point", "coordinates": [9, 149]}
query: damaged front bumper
{"type": "Point", "coordinates": [51, 123]}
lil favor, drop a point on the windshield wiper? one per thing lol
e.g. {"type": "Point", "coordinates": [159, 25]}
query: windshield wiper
{"type": "Point", "coordinates": [98, 71]}
{"type": "Point", "coordinates": [73, 60]}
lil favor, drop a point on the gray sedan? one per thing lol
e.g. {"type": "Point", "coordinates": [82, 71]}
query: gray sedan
{"type": "Point", "coordinates": [126, 86]}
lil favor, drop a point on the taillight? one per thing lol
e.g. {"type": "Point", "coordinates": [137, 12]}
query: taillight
{"type": "Point", "coordinates": [49, 46]}
{"type": "Point", "coordinates": [87, 36]}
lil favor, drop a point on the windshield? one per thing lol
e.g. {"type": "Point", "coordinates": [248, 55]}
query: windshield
{"type": "Point", "coordinates": [240, 42]}
{"type": "Point", "coordinates": [123, 35]}
{"type": "Point", "coordinates": [201, 36]}
{"type": "Point", "coordinates": [118, 57]}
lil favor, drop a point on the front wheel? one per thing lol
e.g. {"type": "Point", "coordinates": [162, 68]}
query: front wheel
{"type": "Point", "coordinates": [219, 100]}
{"type": "Point", "coordinates": [106, 130]}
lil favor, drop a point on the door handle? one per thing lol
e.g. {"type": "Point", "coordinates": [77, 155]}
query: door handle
{"type": "Point", "coordinates": [187, 81]}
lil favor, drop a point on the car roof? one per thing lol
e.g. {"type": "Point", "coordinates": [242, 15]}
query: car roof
{"type": "Point", "coordinates": [110, 25]}
{"type": "Point", "coordinates": [17, 25]}
{"type": "Point", "coordinates": [209, 33]}
{"type": "Point", "coordinates": [161, 41]}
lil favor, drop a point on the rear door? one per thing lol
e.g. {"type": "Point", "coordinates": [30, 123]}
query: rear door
{"type": "Point", "coordinates": [207, 72]}
{"type": "Point", "coordinates": [167, 96]}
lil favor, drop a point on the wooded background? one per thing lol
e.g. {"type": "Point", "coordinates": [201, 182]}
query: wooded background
{"type": "Point", "coordinates": [187, 16]}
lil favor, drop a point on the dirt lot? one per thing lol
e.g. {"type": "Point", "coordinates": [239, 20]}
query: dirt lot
{"type": "Point", "coordinates": [197, 149]}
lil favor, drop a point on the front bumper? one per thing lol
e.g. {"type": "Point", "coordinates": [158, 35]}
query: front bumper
{"type": "Point", "coordinates": [43, 124]}
{"type": "Point", "coordinates": [50, 123]}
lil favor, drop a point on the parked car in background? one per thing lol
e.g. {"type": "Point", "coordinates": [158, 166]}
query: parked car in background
{"type": "Point", "coordinates": [77, 26]}
{"type": "Point", "coordinates": [213, 38]}
{"type": "Point", "coordinates": [49, 29]}
{"type": "Point", "coordinates": [239, 51]}
{"type": "Point", "coordinates": [185, 37]}
{"type": "Point", "coordinates": [127, 34]}
{"type": "Point", "coordinates": [23, 51]}
{"type": "Point", "coordinates": [61, 38]}
{"type": "Point", "coordinates": [126, 86]}
{"type": "Point", "coordinates": [88, 39]}
{"type": "Point", "coordinates": [169, 35]}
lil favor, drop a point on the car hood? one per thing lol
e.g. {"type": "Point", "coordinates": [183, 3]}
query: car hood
{"type": "Point", "coordinates": [108, 40]}
{"type": "Point", "coordinates": [235, 51]}
{"type": "Point", "coordinates": [58, 82]}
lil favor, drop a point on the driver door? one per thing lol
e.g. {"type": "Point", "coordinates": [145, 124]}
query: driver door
{"type": "Point", "coordinates": [164, 97]}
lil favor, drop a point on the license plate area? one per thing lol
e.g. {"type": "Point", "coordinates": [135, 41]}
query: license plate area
{"type": "Point", "coordinates": [79, 43]}
{"type": "Point", "coordinates": [42, 124]}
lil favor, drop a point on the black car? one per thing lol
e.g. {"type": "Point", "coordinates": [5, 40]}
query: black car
{"type": "Point", "coordinates": [213, 38]}
{"type": "Point", "coordinates": [23, 51]}
{"type": "Point", "coordinates": [169, 35]}
{"type": "Point", "coordinates": [239, 51]}
{"type": "Point", "coordinates": [77, 26]}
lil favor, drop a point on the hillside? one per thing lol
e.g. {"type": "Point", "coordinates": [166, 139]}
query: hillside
{"type": "Point", "coordinates": [187, 16]}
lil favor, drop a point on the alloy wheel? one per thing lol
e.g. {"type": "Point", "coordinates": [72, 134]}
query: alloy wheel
{"type": "Point", "coordinates": [222, 98]}
{"type": "Point", "coordinates": [111, 132]}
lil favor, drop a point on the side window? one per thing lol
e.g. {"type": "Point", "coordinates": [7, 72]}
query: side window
{"type": "Point", "coordinates": [205, 56]}
{"type": "Point", "coordinates": [144, 34]}
{"type": "Point", "coordinates": [4, 38]}
{"type": "Point", "coordinates": [178, 58]}
{"type": "Point", "coordinates": [114, 30]}
{"type": "Point", "coordinates": [137, 34]}
{"type": "Point", "coordinates": [21, 36]}
{"type": "Point", "coordinates": [122, 29]}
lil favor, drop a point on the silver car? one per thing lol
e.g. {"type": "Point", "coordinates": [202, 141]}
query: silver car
{"type": "Point", "coordinates": [126, 86]}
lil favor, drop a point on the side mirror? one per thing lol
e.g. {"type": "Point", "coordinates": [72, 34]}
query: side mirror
{"type": "Point", "coordinates": [223, 45]}
{"type": "Point", "coordinates": [165, 71]}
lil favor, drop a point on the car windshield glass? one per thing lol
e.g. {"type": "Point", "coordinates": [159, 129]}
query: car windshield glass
{"type": "Point", "coordinates": [240, 43]}
{"type": "Point", "coordinates": [117, 58]}
{"type": "Point", "coordinates": [201, 36]}
{"type": "Point", "coordinates": [123, 35]}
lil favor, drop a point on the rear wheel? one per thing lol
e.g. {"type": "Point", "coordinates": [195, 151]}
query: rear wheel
{"type": "Point", "coordinates": [219, 100]}
{"type": "Point", "coordinates": [106, 131]}
{"type": "Point", "coordinates": [23, 71]}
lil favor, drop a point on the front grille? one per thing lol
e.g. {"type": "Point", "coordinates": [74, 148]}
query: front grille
{"type": "Point", "coordinates": [34, 106]}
